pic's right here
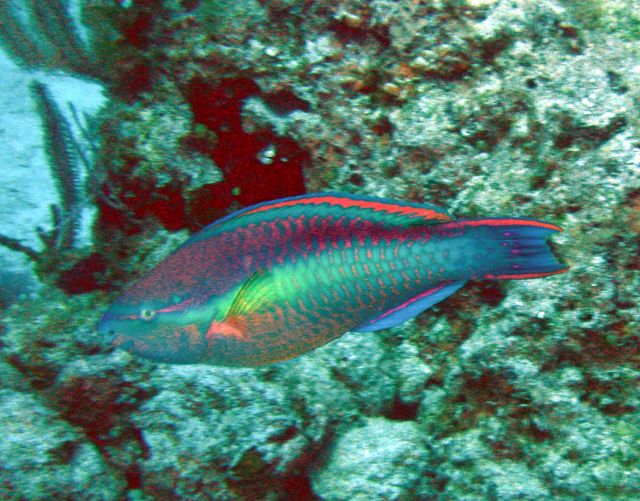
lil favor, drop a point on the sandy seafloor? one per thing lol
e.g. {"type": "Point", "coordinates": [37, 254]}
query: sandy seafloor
{"type": "Point", "coordinates": [26, 186]}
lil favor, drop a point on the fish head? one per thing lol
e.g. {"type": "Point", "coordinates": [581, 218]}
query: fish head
{"type": "Point", "coordinates": [160, 331]}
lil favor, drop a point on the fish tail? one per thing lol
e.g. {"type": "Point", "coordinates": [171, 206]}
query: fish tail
{"type": "Point", "coordinates": [511, 248]}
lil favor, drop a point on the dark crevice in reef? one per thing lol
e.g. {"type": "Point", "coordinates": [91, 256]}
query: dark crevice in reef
{"type": "Point", "coordinates": [250, 175]}
{"type": "Point", "coordinates": [140, 200]}
{"type": "Point", "coordinates": [360, 34]}
{"type": "Point", "coordinates": [284, 102]}
{"type": "Point", "coordinates": [256, 166]}
{"type": "Point", "coordinates": [85, 275]}
{"type": "Point", "coordinates": [134, 477]}
{"type": "Point", "coordinates": [298, 487]}
{"type": "Point", "coordinates": [587, 136]}
{"type": "Point", "coordinates": [403, 411]}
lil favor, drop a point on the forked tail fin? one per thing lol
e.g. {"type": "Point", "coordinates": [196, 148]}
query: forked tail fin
{"type": "Point", "coordinates": [511, 248]}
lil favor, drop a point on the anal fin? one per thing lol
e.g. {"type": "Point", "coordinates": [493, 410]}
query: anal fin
{"type": "Point", "coordinates": [411, 307]}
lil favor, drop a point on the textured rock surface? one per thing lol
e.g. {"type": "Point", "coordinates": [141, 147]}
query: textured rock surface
{"type": "Point", "coordinates": [521, 390]}
{"type": "Point", "coordinates": [381, 460]}
{"type": "Point", "coordinates": [43, 457]}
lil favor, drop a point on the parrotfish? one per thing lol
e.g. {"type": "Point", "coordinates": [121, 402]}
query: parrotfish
{"type": "Point", "coordinates": [275, 280]}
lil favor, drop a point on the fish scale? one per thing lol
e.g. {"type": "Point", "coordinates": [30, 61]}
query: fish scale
{"type": "Point", "coordinates": [357, 289]}
{"type": "Point", "coordinates": [278, 279]}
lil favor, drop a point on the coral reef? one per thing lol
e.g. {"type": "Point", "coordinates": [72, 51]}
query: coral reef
{"type": "Point", "coordinates": [381, 460]}
{"type": "Point", "coordinates": [522, 390]}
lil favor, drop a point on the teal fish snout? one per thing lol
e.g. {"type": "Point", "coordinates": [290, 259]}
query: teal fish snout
{"type": "Point", "coordinates": [107, 330]}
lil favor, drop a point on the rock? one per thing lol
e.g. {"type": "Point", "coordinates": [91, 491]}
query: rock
{"type": "Point", "coordinates": [381, 460]}
{"type": "Point", "coordinates": [43, 457]}
{"type": "Point", "coordinates": [218, 432]}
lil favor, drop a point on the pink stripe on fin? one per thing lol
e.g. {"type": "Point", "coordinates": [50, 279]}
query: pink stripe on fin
{"type": "Point", "coordinates": [362, 202]}
{"type": "Point", "coordinates": [515, 276]}
{"type": "Point", "coordinates": [410, 308]}
{"type": "Point", "coordinates": [507, 221]}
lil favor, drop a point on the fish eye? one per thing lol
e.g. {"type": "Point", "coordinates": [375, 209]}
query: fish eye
{"type": "Point", "coordinates": [147, 314]}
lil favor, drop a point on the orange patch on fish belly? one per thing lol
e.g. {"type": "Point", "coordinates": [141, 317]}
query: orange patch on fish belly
{"type": "Point", "coordinates": [225, 329]}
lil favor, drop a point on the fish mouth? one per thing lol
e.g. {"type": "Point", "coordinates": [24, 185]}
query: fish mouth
{"type": "Point", "coordinates": [110, 336]}
{"type": "Point", "coordinates": [107, 333]}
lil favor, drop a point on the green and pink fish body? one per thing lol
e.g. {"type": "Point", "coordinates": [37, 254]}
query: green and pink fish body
{"type": "Point", "coordinates": [275, 280]}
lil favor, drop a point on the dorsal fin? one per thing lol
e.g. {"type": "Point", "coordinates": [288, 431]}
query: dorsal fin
{"type": "Point", "coordinates": [375, 209]}
{"type": "Point", "coordinates": [422, 212]}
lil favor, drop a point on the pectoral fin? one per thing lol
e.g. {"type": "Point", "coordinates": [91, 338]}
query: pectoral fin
{"type": "Point", "coordinates": [251, 294]}
{"type": "Point", "coordinates": [247, 298]}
